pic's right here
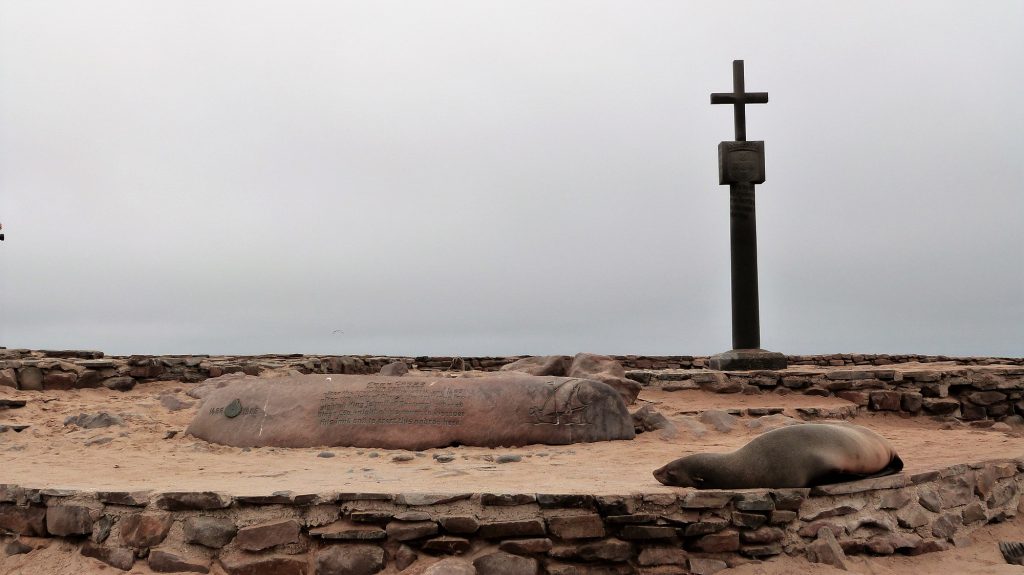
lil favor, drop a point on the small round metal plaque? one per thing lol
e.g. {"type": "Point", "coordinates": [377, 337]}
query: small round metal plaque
{"type": "Point", "coordinates": [233, 409]}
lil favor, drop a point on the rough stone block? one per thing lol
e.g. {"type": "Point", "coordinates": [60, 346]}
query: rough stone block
{"type": "Point", "coordinates": [447, 544]}
{"type": "Point", "coordinates": [242, 564]}
{"type": "Point", "coordinates": [707, 499]}
{"type": "Point", "coordinates": [407, 531]}
{"type": "Point", "coordinates": [706, 566]}
{"type": "Point", "coordinates": [212, 532]}
{"type": "Point", "coordinates": [451, 566]}
{"type": "Point", "coordinates": [614, 550]}
{"type": "Point", "coordinates": [895, 499]}
{"type": "Point", "coordinates": [946, 525]}
{"type": "Point", "coordinates": [501, 563]}
{"type": "Point", "coordinates": [646, 532]}
{"type": "Point", "coordinates": [267, 535]}
{"type": "Point", "coordinates": [721, 542]}
{"type": "Point", "coordinates": [165, 561]}
{"type": "Point", "coordinates": [141, 530]}
{"type": "Point", "coordinates": [68, 520]}
{"type": "Point", "coordinates": [507, 529]}
{"type": "Point", "coordinates": [762, 535]}
{"type": "Point", "coordinates": [825, 549]}
{"type": "Point", "coordinates": [29, 521]}
{"type": "Point", "coordinates": [117, 557]}
{"type": "Point", "coordinates": [350, 560]}
{"type": "Point", "coordinates": [750, 520]}
{"type": "Point", "coordinates": [460, 524]}
{"type": "Point", "coordinates": [706, 526]}
{"type": "Point", "coordinates": [189, 500]}
{"type": "Point", "coordinates": [650, 556]}
{"type": "Point", "coordinates": [577, 526]}
{"type": "Point", "coordinates": [526, 546]}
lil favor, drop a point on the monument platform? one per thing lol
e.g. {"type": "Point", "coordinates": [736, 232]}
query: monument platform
{"type": "Point", "coordinates": [131, 484]}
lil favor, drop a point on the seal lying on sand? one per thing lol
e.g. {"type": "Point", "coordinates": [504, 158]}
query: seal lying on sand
{"type": "Point", "coordinates": [796, 456]}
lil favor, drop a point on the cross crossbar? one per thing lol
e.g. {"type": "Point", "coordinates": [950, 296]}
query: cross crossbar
{"type": "Point", "coordinates": [739, 98]}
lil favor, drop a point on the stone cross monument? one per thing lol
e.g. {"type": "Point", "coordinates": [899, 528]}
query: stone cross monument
{"type": "Point", "coordinates": [741, 165]}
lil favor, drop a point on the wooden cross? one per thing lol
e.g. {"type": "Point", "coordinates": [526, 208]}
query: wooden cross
{"type": "Point", "coordinates": [738, 98]}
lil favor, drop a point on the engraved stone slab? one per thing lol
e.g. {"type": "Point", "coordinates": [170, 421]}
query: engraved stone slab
{"type": "Point", "coordinates": [411, 412]}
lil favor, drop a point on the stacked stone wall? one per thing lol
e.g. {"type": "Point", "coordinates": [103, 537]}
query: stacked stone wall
{"type": "Point", "coordinates": [70, 369]}
{"type": "Point", "coordinates": [684, 531]}
{"type": "Point", "coordinates": [971, 393]}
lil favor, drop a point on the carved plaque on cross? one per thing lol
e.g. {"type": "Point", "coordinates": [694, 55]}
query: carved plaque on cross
{"type": "Point", "coordinates": [741, 163]}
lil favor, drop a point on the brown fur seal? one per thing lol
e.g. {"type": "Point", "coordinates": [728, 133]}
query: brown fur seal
{"type": "Point", "coordinates": [797, 456]}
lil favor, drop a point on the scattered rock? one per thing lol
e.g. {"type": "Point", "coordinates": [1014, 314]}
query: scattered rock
{"type": "Point", "coordinates": [827, 550]}
{"type": "Point", "coordinates": [172, 403]}
{"type": "Point", "coordinates": [606, 370]}
{"type": "Point", "coordinates": [395, 368]}
{"type": "Point", "coordinates": [402, 457]}
{"type": "Point", "coordinates": [720, 420]}
{"type": "Point", "coordinates": [509, 458]}
{"type": "Point", "coordinates": [93, 420]}
{"type": "Point", "coordinates": [544, 365]}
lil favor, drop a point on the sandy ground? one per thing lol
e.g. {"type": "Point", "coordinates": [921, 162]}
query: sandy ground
{"type": "Point", "coordinates": [137, 455]}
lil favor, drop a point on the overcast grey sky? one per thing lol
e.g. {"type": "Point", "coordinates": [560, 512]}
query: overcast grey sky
{"type": "Point", "coordinates": [509, 177]}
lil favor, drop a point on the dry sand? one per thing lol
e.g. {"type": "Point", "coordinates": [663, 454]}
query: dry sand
{"type": "Point", "coordinates": [137, 456]}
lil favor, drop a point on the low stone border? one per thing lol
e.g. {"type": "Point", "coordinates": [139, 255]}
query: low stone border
{"type": "Point", "coordinates": [968, 393]}
{"type": "Point", "coordinates": [361, 533]}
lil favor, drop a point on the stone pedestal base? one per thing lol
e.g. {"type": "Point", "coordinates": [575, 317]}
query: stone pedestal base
{"type": "Point", "coordinates": [747, 359]}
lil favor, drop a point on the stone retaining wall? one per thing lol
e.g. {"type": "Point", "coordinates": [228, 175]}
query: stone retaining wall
{"type": "Point", "coordinates": [685, 531]}
{"type": "Point", "coordinates": [970, 393]}
{"type": "Point", "coordinates": [69, 369]}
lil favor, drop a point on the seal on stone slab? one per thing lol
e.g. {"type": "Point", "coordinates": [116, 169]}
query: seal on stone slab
{"type": "Point", "coordinates": [796, 456]}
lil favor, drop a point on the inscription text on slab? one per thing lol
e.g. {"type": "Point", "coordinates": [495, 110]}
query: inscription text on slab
{"type": "Point", "coordinates": [393, 403]}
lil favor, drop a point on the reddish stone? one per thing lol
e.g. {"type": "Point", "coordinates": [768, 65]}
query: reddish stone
{"type": "Point", "coordinates": [407, 531]}
{"type": "Point", "coordinates": [460, 524]}
{"type": "Point", "coordinates": [885, 400]}
{"type": "Point", "coordinates": [142, 530]}
{"type": "Point", "coordinates": [267, 535]}
{"type": "Point", "coordinates": [522, 528]}
{"type": "Point", "coordinates": [526, 546]}
{"type": "Point", "coordinates": [501, 563]}
{"type": "Point", "coordinates": [763, 535]}
{"type": "Point", "coordinates": [23, 520]}
{"type": "Point", "coordinates": [650, 556]}
{"type": "Point", "coordinates": [360, 559]}
{"type": "Point", "coordinates": [447, 544]}
{"type": "Point", "coordinates": [577, 526]}
{"type": "Point", "coordinates": [705, 566]}
{"type": "Point", "coordinates": [59, 380]}
{"type": "Point", "coordinates": [647, 532]}
{"type": "Point", "coordinates": [188, 500]}
{"type": "Point", "coordinates": [118, 557]}
{"type": "Point", "coordinates": [264, 565]}
{"type": "Point", "coordinates": [65, 520]}
{"type": "Point", "coordinates": [451, 566]}
{"type": "Point", "coordinates": [167, 562]}
{"type": "Point", "coordinates": [606, 550]}
{"type": "Point", "coordinates": [723, 541]}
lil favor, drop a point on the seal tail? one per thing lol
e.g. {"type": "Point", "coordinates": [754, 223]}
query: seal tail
{"type": "Point", "coordinates": [894, 466]}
